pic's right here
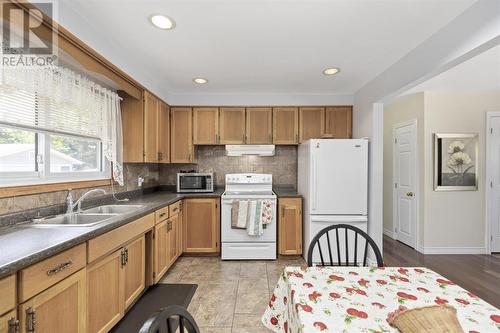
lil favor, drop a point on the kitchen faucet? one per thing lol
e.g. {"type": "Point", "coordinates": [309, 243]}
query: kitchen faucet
{"type": "Point", "coordinates": [78, 203]}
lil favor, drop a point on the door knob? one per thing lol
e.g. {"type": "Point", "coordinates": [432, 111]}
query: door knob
{"type": "Point", "coordinates": [409, 194]}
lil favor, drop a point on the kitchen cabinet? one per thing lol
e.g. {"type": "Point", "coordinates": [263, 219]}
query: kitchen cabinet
{"type": "Point", "coordinates": [290, 226]}
{"type": "Point", "coordinates": [285, 125]}
{"type": "Point", "coordinates": [205, 126]}
{"type": "Point", "coordinates": [181, 129]}
{"type": "Point", "coordinates": [232, 126]}
{"type": "Point", "coordinates": [173, 239]}
{"type": "Point", "coordinates": [105, 292]}
{"type": "Point", "coordinates": [61, 308]}
{"type": "Point", "coordinates": [259, 125]}
{"type": "Point", "coordinates": [8, 292]}
{"type": "Point", "coordinates": [132, 128]}
{"type": "Point", "coordinates": [135, 269]}
{"type": "Point", "coordinates": [161, 250]}
{"type": "Point", "coordinates": [201, 225]}
{"type": "Point", "coordinates": [151, 109]}
{"type": "Point", "coordinates": [311, 123]}
{"type": "Point", "coordinates": [9, 322]}
{"type": "Point", "coordinates": [338, 122]}
{"type": "Point", "coordinates": [163, 133]}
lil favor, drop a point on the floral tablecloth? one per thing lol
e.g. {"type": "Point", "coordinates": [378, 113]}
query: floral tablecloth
{"type": "Point", "coordinates": [359, 299]}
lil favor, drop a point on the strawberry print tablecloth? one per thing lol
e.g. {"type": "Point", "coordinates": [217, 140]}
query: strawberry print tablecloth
{"type": "Point", "coordinates": [359, 299]}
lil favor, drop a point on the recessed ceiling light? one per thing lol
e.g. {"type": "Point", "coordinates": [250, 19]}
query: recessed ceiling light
{"type": "Point", "coordinates": [331, 71]}
{"type": "Point", "coordinates": [162, 21]}
{"type": "Point", "coordinates": [200, 80]}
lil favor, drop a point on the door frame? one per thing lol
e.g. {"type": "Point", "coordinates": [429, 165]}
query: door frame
{"type": "Point", "coordinates": [487, 185]}
{"type": "Point", "coordinates": [416, 228]}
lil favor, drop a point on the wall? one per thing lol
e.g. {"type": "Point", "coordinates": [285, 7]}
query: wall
{"type": "Point", "coordinates": [456, 221]}
{"type": "Point", "coordinates": [405, 109]}
{"type": "Point", "coordinates": [131, 172]}
{"type": "Point", "coordinates": [283, 166]}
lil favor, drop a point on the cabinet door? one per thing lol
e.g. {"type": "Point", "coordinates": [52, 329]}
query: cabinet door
{"type": "Point", "coordinates": [205, 126]}
{"type": "Point", "coordinates": [9, 322]}
{"type": "Point", "coordinates": [61, 308]}
{"type": "Point", "coordinates": [201, 225]}
{"type": "Point", "coordinates": [232, 126]}
{"type": "Point", "coordinates": [105, 297]}
{"type": "Point", "coordinates": [259, 126]}
{"type": "Point", "coordinates": [172, 237]}
{"type": "Point", "coordinates": [181, 134]}
{"type": "Point", "coordinates": [164, 133]}
{"type": "Point", "coordinates": [133, 131]}
{"type": "Point", "coordinates": [290, 226]}
{"type": "Point", "coordinates": [338, 122]}
{"type": "Point", "coordinates": [151, 106]}
{"type": "Point", "coordinates": [180, 230]}
{"type": "Point", "coordinates": [285, 126]}
{"type": "Point", "coordinates": [135, 269]}
{"type": "Point", "coordinates": [311, 123]}
{"type": "Point", "coordinates": [161, 250]}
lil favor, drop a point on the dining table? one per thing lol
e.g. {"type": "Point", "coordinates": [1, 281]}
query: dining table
{"type": "Point", "coordinates": [361, 299]}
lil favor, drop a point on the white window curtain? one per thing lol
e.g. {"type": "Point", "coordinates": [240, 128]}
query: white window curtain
{"type": "Point", "coordinates": [57, 99]}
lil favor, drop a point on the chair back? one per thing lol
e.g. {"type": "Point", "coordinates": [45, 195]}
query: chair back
{"type": "Point", "coordinates": [335, 235]}
{"type": "Point", "coordinates": [171, 319]}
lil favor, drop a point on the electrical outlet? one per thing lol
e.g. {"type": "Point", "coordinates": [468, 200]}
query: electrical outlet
{"type": "Point", "coordinates": [140, 181]}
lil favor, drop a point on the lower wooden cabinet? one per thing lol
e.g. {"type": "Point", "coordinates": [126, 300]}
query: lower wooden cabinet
{"type": "Point", "coordinates": [201, 225]}
{"type": "Point", "coordinates": [114, 283]}
{"type": "Point", "coordinates": [290, 226]}
{"type": "Point", "coordinates": [61, 308]}
{"type": "Point", "coordinates": [9, 322]}
{"type": "Point", "coordinates": [161, 248]}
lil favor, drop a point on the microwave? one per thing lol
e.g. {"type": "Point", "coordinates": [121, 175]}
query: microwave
{"type": "Point", "coordinates": [195, 182]}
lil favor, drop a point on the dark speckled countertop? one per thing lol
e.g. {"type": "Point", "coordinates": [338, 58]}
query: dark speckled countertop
{"type": "Point", "coordinates": [286, 192]}
{"type": "Point", "coordinates": [22, 245]}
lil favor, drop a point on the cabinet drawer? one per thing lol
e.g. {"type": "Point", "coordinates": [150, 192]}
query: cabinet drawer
{"type": "Point", "coordinates": [175, 208]}
{"type": "Point", "coordinates": [162, 214]}
{"type": "Point", "coordinates": [40, 276]}
{"type": "Point", "coordinates": [112, 240]}
{"type": "Point", "coordinates": [8, 292]}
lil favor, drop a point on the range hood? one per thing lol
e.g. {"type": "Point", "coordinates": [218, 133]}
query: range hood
{"type": "Point", "coordinates": [256, 150]}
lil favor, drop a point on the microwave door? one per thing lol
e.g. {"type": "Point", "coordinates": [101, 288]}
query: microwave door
{"type": "Point", "coordinates": [192, 183]}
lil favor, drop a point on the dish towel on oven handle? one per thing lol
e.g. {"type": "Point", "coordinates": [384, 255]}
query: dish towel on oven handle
{"type": "Point", "coordinates": [254, 225]}
{"type": "Point", "coordinates": [239, 214]}
{"type": "Point", "coordinates": [267, 212]}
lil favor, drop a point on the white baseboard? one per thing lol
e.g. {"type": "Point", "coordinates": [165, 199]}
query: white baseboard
{"type": "Point", "coordinates": [452, 250]}
{"type": "Point", "coordinates": [390, 233]}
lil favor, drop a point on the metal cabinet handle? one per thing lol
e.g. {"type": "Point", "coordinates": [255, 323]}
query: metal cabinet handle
{"type": "Point", "coordinates": [175, 209]}
{"type": "Point", "coordinates": [122, 258]}
{"type": "Point", "coordinates": [59, 268]}
{"type": "Point", "coordinates": [126, 256]}
{"type": "Point", "coordinates": [30, 320]}
{"type": "Point", "coordinates": [162, 214]}
{"type": "Point", "coordinates": [409, 194]}
{"type": "Point", "coordinates": [296, 138]}
{"type": "Point", "coordinates": [160, 156]}
{"type": "Point", "coordinates": [13, 325]}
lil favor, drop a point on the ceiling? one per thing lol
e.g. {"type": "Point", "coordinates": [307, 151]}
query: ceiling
{"type": "Point", "coordinates": [256, 47]}
{"type": "Point", "coordinates": [481, 73]}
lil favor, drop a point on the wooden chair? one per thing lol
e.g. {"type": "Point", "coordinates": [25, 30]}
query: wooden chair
{"type": "Point", "coordinates": [348, 229]}
{"type": "Point", "coordinates": [169, 319]}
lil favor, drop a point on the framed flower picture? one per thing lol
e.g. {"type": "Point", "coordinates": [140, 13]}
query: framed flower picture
{"type": "Point", "coordinates": [455, 162]}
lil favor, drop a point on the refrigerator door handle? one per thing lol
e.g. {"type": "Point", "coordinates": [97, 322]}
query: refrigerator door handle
{"type": "Point", "coordinates": [314, 181]}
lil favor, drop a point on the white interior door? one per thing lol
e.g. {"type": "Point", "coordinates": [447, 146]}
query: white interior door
{"type": "Point", "coordinates": [494, 177]}
{"type": "Point", "coordinates": [405, 178]}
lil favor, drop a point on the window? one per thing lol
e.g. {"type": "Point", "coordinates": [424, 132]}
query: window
{"type": "Point", "coordinates": [35, 157]}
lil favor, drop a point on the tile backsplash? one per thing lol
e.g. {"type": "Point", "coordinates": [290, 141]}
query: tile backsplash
{"type": "Point", "coordinates": [283, 166]}
{"type": "Point", "coordinates": [150, 173]}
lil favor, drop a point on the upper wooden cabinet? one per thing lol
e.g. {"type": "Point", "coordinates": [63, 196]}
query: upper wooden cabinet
{"type": "Point", "coordinates": [311, 123]}
{"type": "Point", "coordinates": [201, 225]}
{"type": "Point", "coordinates": [151, 109]}
{"type": "Point", "coordinates": [181, 129]}
{"type": "Point", "coordinates": [163, 133]}
{"type": "Point", "coordinates": [338, 122]}
{"type": "Point", "coordinates": [259, 126]}
{"type": "Point", "coordinates": [290, 226]}
{"type": "Point", "coordinates": [205, 126]}
{"type": "Point", "coordinates": [132, 128]}
{"type": "Point", "coordinates": [285, 125]}
{"type": "Point", "coordinates": [232, 126]}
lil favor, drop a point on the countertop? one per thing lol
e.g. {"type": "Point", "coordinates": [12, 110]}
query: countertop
{"type": "Point", "coordinates": [286, 192]}
{"type": "Point", "coordinates": [22, 245]}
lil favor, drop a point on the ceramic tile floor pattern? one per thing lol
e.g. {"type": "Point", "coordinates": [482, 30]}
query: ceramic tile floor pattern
{"type": "Point", "coordinates": [232, 295]}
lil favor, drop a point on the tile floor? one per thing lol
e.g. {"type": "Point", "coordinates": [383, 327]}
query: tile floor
{"type": "Point", "coordinates": [231, 295]}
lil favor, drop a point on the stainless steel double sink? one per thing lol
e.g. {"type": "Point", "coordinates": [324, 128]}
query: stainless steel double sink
{"type": "Point", "coordinates": [87, 217]}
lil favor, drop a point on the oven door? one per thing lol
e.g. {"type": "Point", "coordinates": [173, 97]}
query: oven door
{"type": "Point", "coordinates": [229, 234]}
{"type": "Point", "coordinates": [194, 183]}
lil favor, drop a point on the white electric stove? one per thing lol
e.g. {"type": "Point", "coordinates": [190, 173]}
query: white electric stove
{"type": "Point", "coordinates": [236, 243]}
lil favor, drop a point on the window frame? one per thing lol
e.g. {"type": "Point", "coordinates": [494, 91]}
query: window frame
{"type": "Point", "coordinates": [43, 175]}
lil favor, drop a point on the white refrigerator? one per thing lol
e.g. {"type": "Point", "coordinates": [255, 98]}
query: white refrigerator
{"type": "Point", "coordinates": [333, 181]}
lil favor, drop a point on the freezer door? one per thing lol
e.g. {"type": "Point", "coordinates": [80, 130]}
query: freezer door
{"type": "Point", "coordinates": [339, 177]}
